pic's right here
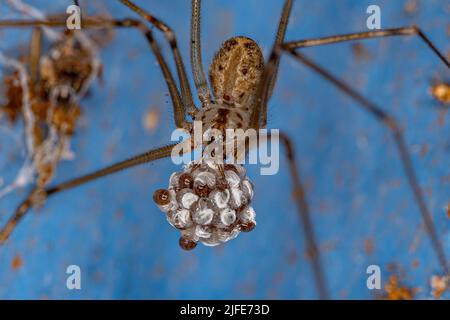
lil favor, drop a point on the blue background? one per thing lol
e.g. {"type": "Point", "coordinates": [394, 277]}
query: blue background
{"type": "Point", "coordinates": [355, 183]}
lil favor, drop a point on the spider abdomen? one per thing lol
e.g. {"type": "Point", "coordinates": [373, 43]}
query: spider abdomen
{"type": "Point", "coordinates": [236, 71]}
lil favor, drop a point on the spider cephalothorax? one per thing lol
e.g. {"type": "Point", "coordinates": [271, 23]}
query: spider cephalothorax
{"type": "Point", "coordinates": [207, 202]}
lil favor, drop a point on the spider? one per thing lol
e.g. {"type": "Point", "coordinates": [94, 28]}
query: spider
{"type": "Point", "coordinates": [256, 83]}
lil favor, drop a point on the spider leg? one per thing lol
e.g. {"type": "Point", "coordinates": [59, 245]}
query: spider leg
{"type": "Point", "coordinates": [264, 92]}
{"type": "Point", "coordinates": [39, 195]}
{"type": "Point", "coordinates": [305, 217]}
{"type": "Point", "coordinates": [260, 111]}
{"type": "Point", "coordinates": [188, 103]}
{"type": "Point", "coordinates": [279, 41]}
{"type": "Point", "coordinates": [196, 55]}
{"type": "Point", "coordinates": [259, 114]}
{"type": "Point", "coordinates": [178, 106]}
{"type": "Point", "coordinates": [387, 120]}
{"type": "Point", "coordinates": [258, 117]}
{"type": "Point", "coordinates": [20, 212]}
{"type": "Point", "coordinates": [405, 31]}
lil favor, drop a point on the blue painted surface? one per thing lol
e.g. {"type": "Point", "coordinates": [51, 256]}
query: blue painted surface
{"type": "Point", "coordinates": [356, 186]}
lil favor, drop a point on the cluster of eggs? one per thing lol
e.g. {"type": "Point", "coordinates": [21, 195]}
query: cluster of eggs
{"type": "Point", "coordinates": [208, 203]}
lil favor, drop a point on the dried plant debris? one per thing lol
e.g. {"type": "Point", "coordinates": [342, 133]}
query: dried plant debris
{"type": "Point", "coordinates": [361, 52]}
{"type": "Point", "coordinates": [45, 95]}
{"type": "Point", "coordinates": [396, 290]}
{"type": "Point", "coordinates": [151, 119]}
{"type": "Point", "coordinates": [16, 262]}
{"type": "Point", "coordinates": [411, 6]}
{"type": "Point", "coordinates": [441, 92]}
{"type": "Point", "coordinates": [438, 286]}
{"type": "Point", "coordinates": [12, 91]}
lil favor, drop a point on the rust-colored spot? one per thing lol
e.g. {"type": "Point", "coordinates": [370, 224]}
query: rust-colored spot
{"type": "Point", "coordinates": [424, 150]}
{"type": "Point", "coordinates": [369, 246]}
{"type": "Point", "coordinates": [391, 267]}
{"type": "Point", "coordinates": [16, 262]}
{"type": "Point", "coordinates": [151, 120]}
{"type": "Point", "coordinates": [396, 291]}
{"type": "Point", "coordinates": [411, 6]}
{"type": "Point", "coordinates": [360, 51]}
{"type": "Point", "coordinates": [441, 92]}
{"type": "Point", "coordinates": [441, 117]}
{"type": "Point", "coordinates": [438, 286]}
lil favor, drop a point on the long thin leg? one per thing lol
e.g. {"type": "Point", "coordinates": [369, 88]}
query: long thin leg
{"type": "Point", "coordinates": [305, 217]}
{"type": "Point", "coordinates": [405, 31]}
{"type": "Point", "coordinates": [179, 110]}
{"type": "Point", "coordinates": [259, 113]}
{"type": "Point", "coordinates": [196, 55]}
{"type": "Point", "coordinates": [282, 26]}
{"type": "Point", "coordinates": [170, 37]}
{"type": "Point", "coordinates": [38, 195]}
{"type": "Point", "coordinates": [387, 120]}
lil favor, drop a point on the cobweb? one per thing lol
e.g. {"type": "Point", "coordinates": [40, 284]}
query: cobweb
{"type": "Point", "coordinates": [27, 172]}
{"type": "Point", "coordinates": [56, 146]}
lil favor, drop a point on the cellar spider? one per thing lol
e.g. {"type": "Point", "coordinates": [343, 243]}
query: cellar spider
{"type": "Point", "coordinates": [260, 92]}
